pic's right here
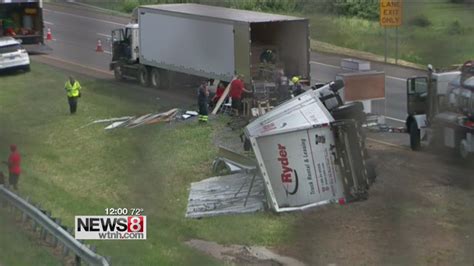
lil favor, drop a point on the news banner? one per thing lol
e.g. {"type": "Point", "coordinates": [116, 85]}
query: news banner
{"type": "Point", "coordinates": [116, 224]}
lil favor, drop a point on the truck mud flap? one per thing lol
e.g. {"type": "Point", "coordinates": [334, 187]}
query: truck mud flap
{"type": "Point", "coordinates": [350, 156]}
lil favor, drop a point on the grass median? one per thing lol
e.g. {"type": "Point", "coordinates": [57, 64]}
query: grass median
{"type": "Point", "coordinates": [81, 171]}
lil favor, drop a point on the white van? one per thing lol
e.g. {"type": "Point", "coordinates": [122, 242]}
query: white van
{"type": "Point", "coordinates": [12, 55]}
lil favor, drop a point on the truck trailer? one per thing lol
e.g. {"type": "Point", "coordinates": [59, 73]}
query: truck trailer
{"type": "Point", "coordinates": [209, 42]}
{"type": "Point", "coordinates": [23, 20]}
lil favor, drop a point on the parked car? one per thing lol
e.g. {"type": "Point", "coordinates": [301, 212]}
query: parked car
{"type": "Point", "coordinates": [13, 55]}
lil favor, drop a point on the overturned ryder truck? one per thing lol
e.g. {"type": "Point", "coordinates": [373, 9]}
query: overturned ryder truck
{"type": "Point", "coordinates": [311, 151]}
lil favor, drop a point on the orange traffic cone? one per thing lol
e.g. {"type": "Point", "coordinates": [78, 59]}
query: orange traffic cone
{"type": "Point", "coordinates": [49, 36]}
{"type": "Point", "coordinates": [99, 47]}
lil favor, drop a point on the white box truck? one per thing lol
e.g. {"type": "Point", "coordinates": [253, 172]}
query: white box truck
{"type": "Point", "coordinates": [23, 20]}
{"type": "Point", "coordinates": [307, 157]}
{"type": "Point", "coordinates": [209, 42]}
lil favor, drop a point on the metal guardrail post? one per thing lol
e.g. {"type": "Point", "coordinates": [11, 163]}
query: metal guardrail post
{"type": "Point", "coordinates": [24, 217]}
{"type": "Point", "coordinates": [55, 241]}
{"type": "Point", "coordinates": [53, 228]}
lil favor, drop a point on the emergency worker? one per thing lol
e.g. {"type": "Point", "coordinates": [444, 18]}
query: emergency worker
{"type": "Point", "coordinates": [73, 89]}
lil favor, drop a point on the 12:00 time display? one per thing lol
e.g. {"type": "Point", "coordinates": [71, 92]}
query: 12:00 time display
{"type": "Point", "coordinates": [124, 211]}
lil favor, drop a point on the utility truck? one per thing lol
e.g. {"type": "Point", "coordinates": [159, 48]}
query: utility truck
{"type": "Point", "coordinates": [209, 42]}
{"type": "Point", "coordinates": [23, 20]}
{"type": "Point", "coordinates": [441, 109]}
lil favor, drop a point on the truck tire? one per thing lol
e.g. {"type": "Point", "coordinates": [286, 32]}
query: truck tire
{"type": "Point", "coordinates": [464, 149]}
{"type": "Point", "coordinates": [371, 172]}
{"type": "Point", "coordinates": [144, 76]}
{"type": "Point", "coordinates": [118, 74]}
{"type": "Point", "coordinates": [353, 110]}
{"type": "Point", "coordinates": [156, 78]}
{"type": "Point", "coordinates": [414, 136]}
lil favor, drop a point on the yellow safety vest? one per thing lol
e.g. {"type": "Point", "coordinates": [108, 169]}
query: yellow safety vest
{"type": "Point", "coordinates": [72, 90]}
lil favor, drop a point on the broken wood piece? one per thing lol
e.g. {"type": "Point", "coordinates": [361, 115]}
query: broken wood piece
{"type": "Point", "coordinates": [222, 98]}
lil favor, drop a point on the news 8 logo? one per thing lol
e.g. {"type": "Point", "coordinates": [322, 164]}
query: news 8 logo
{"type": "Point", "coordinates": [110, 227]}
{"type": "Point", "coordinates": [135, 223]}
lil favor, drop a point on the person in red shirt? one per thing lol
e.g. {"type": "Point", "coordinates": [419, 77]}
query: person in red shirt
{"type": "Point", "coordinates": [14, 166]}
{"type": "Point", "coordinates": [236, 90]}
{"type": "Point", "coordinates": [219, 92]}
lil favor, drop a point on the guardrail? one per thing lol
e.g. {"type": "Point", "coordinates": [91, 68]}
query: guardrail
{"type": "Point", "coordinates": [53, 227]}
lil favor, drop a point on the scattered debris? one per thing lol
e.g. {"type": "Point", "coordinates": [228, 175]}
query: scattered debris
{"type": "Point", "coordinates": [107, 121]}
{"type": "Point", "coordinates": [134, 121]}
{"type": "Point", "coordinates": [240, 254]}
{"type": "Point", "coordinates": [240, 192]}
{"type": "Point", "coordinates": [231, 194]}
{"type": "Point", "coordinates": [193, 113]}
{"type": "Point", "coordinates": [376, 123]}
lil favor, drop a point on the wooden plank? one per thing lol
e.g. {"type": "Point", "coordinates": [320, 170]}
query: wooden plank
{"type": "Point", "coordinates": [221, 100]}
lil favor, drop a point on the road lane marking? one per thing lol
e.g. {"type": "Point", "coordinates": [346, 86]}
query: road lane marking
{"type": "Point", "coordinates": [48, 23]}
{"type": "Point", "coordinates": [107, 52]}
{"type": "Point", "coordinates": [388, 144]}
{"type": "Point", "coordinates": [395, 119]}
{"type": "Point", "coordinates": [77, 64]}
{"type": "Point", "coordinates": [104, 35]}
{"type": "Point", "coordinates": [338, 67]}
{"type": "Point", "coordinates": [396, 78]}
{"type": "Point", "coordinates": [318, 63]}
{"type": "Point", "coordinates": [83, 17]}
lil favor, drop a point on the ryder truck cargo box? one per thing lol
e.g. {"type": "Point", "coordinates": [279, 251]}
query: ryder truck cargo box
{"type": "Point", "coordinates": [207, 41]}
{"type": "Point", "coordinates": [23, 20]}
{"type": "Point", "coordinates": [306, 157]}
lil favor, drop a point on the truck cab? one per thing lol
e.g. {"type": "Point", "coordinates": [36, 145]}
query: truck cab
{"type": "Point", "coordinates": [125, 43]}
{"type": "Point", "coordinates": [125, 48]}
{"type": "Point", "coordinates": [440, 110]}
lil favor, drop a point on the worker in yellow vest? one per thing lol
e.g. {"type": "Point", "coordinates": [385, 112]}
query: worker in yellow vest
{"type": "Point", "coordinates": [73, 89]}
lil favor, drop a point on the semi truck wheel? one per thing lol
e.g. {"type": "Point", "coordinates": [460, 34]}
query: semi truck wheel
{"type": "Point", "coordinates": [464, 149]}
{"type": "Point", "coordinates": [144, 76]}
{"type": "Point", "coordinates": [155, 78]}
{"type": "Point", "coordinates": [353, 110]}
{"type": "Point", "coordinates": [118, 72]}
{"type": "Point", "coordinates": [414, 137]}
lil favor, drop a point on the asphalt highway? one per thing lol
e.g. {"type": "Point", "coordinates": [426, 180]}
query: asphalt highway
{"type": "Point", "coordinates": [76, 30]}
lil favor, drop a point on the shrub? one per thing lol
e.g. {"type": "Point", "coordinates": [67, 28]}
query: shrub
{"type": "Point", "coordinates": [420, 21]}
{"type": "Point", "coordinates": [129, 5]}
{"type": "Point", "coordinates": [455, 28]}
{"type": "Point", "coordinates": [368, 9]}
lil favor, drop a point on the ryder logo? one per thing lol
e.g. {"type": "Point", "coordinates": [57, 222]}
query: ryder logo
{"type": "Point", "coordinates": [289, 177]}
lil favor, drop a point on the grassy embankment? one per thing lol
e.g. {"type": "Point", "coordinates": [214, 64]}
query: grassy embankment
{"type": "Point", "coordinates": [82, 172]}
{"type": "Point", "coordinates": [18, 247]}
{"type": "Point", "coordinates": [435, 31]}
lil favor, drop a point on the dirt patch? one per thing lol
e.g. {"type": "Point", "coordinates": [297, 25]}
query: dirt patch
{"type": "Point", "coordinates": [418, 213]}
{"type": "Point", "coordinates": [242, 255]}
